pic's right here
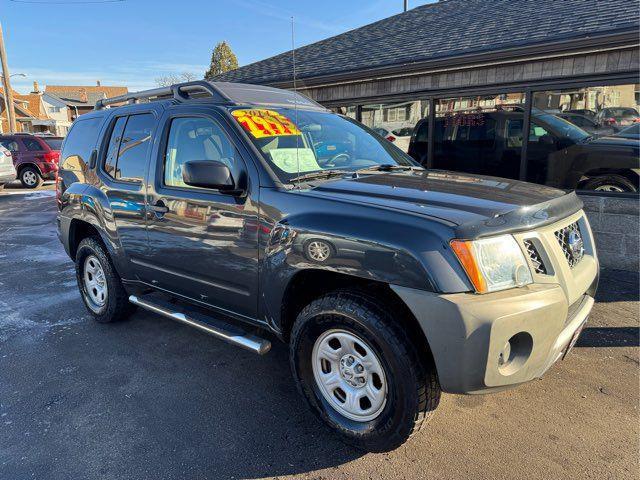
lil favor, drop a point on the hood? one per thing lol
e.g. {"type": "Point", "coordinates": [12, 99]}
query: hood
{"type": "Point", "coordinates": [473, 205]}
{"type": "Point", "coordinates": [614, 141]}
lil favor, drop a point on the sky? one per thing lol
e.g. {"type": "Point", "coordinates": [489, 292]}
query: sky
{"type": "Point", "coordinates": [133, 42]}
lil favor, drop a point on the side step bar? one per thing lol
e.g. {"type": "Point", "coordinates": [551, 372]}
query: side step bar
{"type": "Point", "coordinates": [241, 339]}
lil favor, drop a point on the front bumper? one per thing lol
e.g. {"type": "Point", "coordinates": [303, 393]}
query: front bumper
{"type": "Point", "coordinates": [489, 342]}
{"type": "Point", "coordinates": [483, 343]}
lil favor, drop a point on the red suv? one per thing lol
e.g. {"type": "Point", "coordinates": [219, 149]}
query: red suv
{"type": "Point", "coordinates": [35, 157]}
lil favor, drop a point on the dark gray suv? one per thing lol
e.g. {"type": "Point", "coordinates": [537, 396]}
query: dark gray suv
{"type": "Point", "coordinates": [250, 212]}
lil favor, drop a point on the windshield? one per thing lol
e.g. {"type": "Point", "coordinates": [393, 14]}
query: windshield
{"type": "Point", "coordinates": [560, 126]}
{"type": "Point", "coordinates": [299, 142]}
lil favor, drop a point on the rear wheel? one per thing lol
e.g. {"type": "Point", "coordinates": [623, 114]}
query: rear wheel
{"type": "Point", "coordinates": [360, 372]}
{"type": "Point", "coordinates": [100, 285]}
{"type": "Point", "coordinates": [30, 177]}
{"type": "Point", "coordinates": [610, 183]}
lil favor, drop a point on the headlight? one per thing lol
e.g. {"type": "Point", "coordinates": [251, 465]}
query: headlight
{"type": "Point", "coordinates": [493, 263]}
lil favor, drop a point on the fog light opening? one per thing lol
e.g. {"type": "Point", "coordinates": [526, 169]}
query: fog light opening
{"type": "Point", "coordinates": [515, 353]}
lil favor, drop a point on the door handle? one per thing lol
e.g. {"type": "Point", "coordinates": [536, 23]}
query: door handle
{"type": "Point", "coordinates": [159, 208]}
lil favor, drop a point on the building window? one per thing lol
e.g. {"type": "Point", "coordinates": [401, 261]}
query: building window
{"type": "Point", "coordinates": [395, 121]}
{"type": "Point", "coordinates": [585, 138]}
{"type": "Point", "coordinates": [481, 134]}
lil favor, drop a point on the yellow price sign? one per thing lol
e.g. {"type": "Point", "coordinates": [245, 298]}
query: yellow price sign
{"type": "Point", "coordinates": [265, 123]}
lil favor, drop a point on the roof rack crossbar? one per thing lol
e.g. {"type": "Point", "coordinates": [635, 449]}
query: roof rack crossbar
{"type": "Point", "coordinates": [179, 91]}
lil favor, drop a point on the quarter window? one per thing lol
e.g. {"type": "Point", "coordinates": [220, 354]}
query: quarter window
{"type": "Point", "coordinates": [196, 138]}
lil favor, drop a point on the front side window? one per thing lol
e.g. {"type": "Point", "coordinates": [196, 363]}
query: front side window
{"type": "Point", "coordinates": [131, 139]}
{"type": "Point", "coordinates": [196, 138]}
{"type": "Point", "coordinates": [300, 142]}
{"type": "Point", "coordinates": [10, 145]}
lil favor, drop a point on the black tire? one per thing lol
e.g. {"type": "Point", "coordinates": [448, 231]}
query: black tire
{"type": "Point", "coordinates": [610, 183]}
{"type": "Point", "coordinates": [413, 389]}
{"type": "Point", "coordinates": [1, 186]}
{"type": "Point", "coordinates": [117, 306]}
{"type": "Point", "coordinates": [30, 177]}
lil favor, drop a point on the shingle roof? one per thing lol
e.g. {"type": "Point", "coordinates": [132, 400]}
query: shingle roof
{"type": "Point", "coordinates": [72, 95]}
{"type": "Point", "coordinates": [446, 29]}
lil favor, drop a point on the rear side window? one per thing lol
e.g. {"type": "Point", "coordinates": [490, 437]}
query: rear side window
{"type": "Point", "coordinates": [31, 144]}
{"type": "Point", "coordinates": [80, 142]}
{"type": "Point", "coordinates": [131, 139]}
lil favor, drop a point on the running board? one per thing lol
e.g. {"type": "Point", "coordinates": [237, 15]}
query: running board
{"type": "Point", "coordinates": [228, 333]}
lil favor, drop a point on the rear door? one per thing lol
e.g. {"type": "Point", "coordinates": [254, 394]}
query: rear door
{"type": "Point", "coordinates": [123, 169]}
{"type": "Point", "coordinates": [198, 242]}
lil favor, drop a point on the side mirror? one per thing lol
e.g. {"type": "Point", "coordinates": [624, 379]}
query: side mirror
{"type": "Point", "coordinates": [209, 174]}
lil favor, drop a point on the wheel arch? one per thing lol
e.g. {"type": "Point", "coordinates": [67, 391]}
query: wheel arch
{"type": "Point", "coordinates": [629, 173]}
{"type": "Point", "coordinates": [307, 285]}
{"type": "Point", "coordinates": [24, 165]}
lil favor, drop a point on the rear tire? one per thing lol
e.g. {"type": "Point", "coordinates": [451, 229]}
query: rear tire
{"type": "Point", "coordinates": [30, 177]}
{"type": "Point", "coordinates": [408, 381]}
{"type": "Point", "coordinates": [610, 183]}
{"type": "Point", "coordinates": [100, 285]}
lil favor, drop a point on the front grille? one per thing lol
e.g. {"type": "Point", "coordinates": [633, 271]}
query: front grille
{"type": "Point", "coordinates": [534, 256]}
{"type": "Point", "coordinates": [571, 242]}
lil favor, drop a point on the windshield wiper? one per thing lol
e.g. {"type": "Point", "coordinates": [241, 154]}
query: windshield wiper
{"type": "Point", "coordinates": [386, 167]}
{"type": "Point", "coordinates": [320, 174]}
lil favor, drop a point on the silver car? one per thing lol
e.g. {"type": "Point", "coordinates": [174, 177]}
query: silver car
{"type": "Point", "coordinates": [7, 170]}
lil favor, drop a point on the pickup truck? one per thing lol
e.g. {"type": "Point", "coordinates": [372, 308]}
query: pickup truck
{"type": "Point", "coordinates": [253, 213]}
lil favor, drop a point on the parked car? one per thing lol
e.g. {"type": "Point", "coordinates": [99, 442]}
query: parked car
{"type": "Point", "coordinates": [559, 153]}
{"type": "Point", "coordinates": [587, 124]}
{"type": "Point", "coordinates": [7, 170]}
{"type": "Point", "coordinates": [632, 132]}
{"type": "Point", "coordinates": [584, 112]}
{"type": "Point", "coordinates": [389, 282]}
{"type": "Point", "coordinates": [399, 136]}
{"type": "Point", "coordinates": [617, 117]}
{"type": "Point", "coordinates": [34, 157]}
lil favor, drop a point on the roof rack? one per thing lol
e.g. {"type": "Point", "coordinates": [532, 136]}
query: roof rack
{"type": "Point", "coordinates": [179, 91]}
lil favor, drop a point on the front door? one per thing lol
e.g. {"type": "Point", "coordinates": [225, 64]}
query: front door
{"type": "Point", "coordinates": [200, 242]}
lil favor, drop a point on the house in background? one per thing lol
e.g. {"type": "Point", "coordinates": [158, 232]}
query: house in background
{"type": "Point", "coordinates": [37, 113]}
{"type": "Point", "coordinates": [81, 99]}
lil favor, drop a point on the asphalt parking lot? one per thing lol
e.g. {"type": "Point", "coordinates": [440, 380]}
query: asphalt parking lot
{"type": "Point", "coordinates": [151, 399]}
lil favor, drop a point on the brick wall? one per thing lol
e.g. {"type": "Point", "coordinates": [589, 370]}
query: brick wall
{"type": "Point", "coordinates": [616, 225]}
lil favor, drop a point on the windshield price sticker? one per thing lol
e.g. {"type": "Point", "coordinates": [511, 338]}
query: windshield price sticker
{"type": "Point", "coordinates": [265, 123]}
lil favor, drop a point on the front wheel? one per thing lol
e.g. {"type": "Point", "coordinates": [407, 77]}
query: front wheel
{"type": "Point", "coordinates": [610, 183]}
{"type": "Point", "coordinates": [358, 369]}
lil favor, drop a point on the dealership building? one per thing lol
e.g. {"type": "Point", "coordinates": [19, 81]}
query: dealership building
{"type": "Point", "coordinates": [461, 80]}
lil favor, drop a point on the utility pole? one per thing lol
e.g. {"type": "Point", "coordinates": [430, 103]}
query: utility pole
{"type": "Point", "coordinates": [406, 5]}
{"type": "Point", "coordinates": [6, 81]}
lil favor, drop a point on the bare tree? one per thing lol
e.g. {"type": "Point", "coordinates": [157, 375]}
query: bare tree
{"type": "Point", "coordinates": [167, 80]}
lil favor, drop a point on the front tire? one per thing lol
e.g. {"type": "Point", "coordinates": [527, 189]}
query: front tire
{"type": "Point", "coordinates": [366, 352]}
{"type": "Point", "coordinates": [610, 183]}
{"type": "Point", "coordinates": [100, 285]}
{"type": "Point", "coordinates": [30, 177]}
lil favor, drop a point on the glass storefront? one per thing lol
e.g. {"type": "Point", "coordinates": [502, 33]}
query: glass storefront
{"type": "Point", "coordinates": [584, 138]}
{"type": "Point", "coordinates": [395, 121]}
{"type": "Point", "coordinates": [481, 134]}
